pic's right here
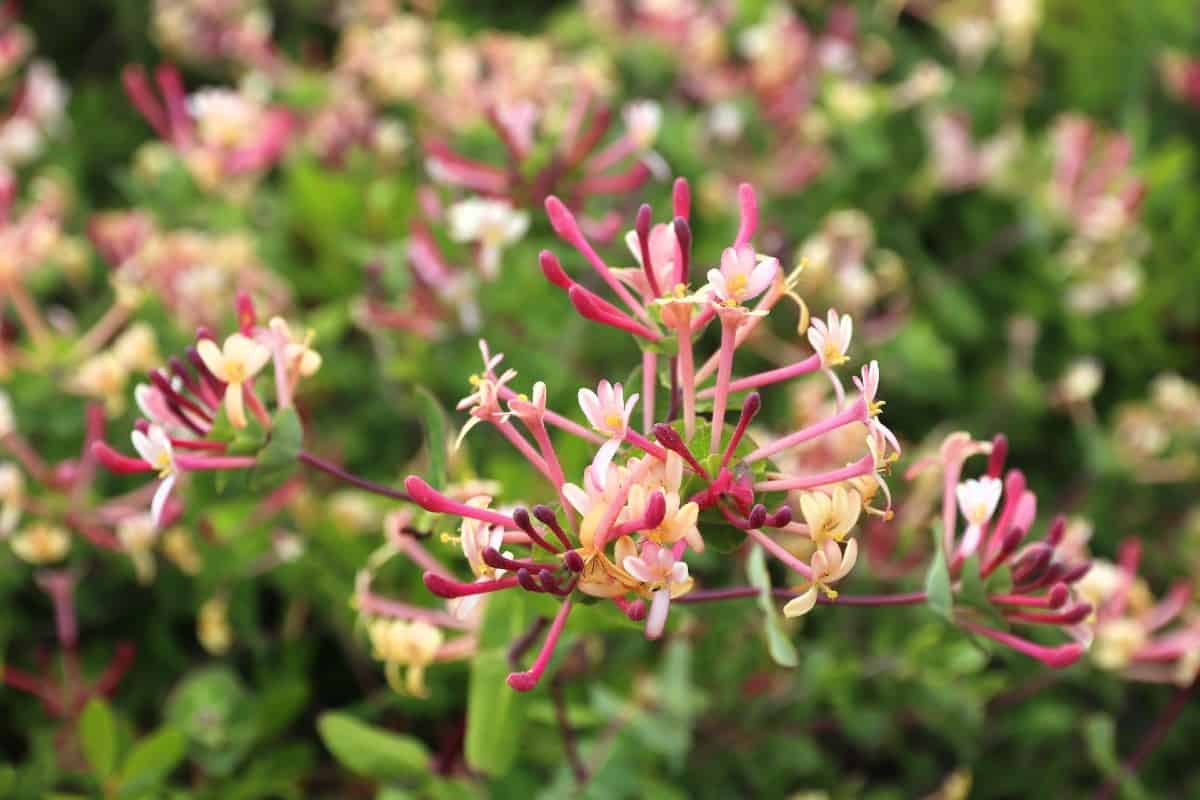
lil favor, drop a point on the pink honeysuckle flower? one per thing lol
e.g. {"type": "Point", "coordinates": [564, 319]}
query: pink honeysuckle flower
{"type": "Point", "coordinates": [831, 339]}
{"type": "Point", "coordinates": [743, 275]}
{"type": "Point", "coordinates": [608, 412]}
{"type": "Point", "coordinates": [661, 575]}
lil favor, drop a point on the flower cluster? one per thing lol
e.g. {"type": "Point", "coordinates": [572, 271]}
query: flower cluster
{"type": "Point", "coordinates": [649, 498]}
{"type": "Point", "coordinates": [195, 406]}
{"type": "Point", "coordinates": [998, 578]}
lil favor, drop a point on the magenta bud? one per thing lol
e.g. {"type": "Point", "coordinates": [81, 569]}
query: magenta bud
{"type": "Point", "coordinates": [493, 558]}
{"type": "Point", "coordinates": [758, 516]}
{"type": "Point", "coordinates": [668, 437]}
{"type": "Point", "coordinates": [141, 425]}
{"type": "Point", "coordinates": [642, 221]}
{"type": "Point", "coordinates": [780, 518]}
{"type": "Point", "coordinates": [574, 561]}
{"type": "Point", "coordinates": [553, 270]}
{"type": "Point", "coordinates": [656, 510]}
{"type": "Point", "coordinates": [525, 579]}
{"type": "Point", "coordinates": [752, 406]}
{"type": "Point", "coordinates": [681, 198]}
{"type": "Point", "coordinates": [563, 221]}
{"type": "Point", "coordinates": [521, 517]}
{"type": "Point", "coordinates": [1058, 595]}
{"type": "Point", "coordinates": [683, 234]}
{"type": "Point", "coordinates": [636, 610]}
{"type": "Point", "coordinates": [1057, 528]}
{"type": "Point", "coordinates": [1076, 572]}
{"type": "Point", "coordinates": [998, 455]}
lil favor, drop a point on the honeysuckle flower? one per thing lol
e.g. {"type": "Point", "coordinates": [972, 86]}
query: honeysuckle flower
{"type": "Point", "coordinates": [103, 377]}
{"type": "Point", "coordinates": [608, 412]}
{"type": "Point", "coordinates": [138, 534]}
{"type": "Point", "coordinates": [154, 447]}
{"type": "Point", "coordinates": [663, 577]}
{"type": "Point", "coordinates": [831, 339]}
{"type": "Point", "coordinates": [41, 543]}
{"type": "Point", "coordinates": [743, 275]}
{"type": "Point", "coordinates": [483, 404]}
{"type": "Point", "coordinates": [235, 363]}
{"type": "Point", "coordinates": [624, 532]}
{"type": "Point", "coordinates": [1044, 574]}
{"type": "Point", "coordinates": [413, 645]}
{"type": "Point", "coordinates": [178, 546]}
{"type": "Point", "coordinates": [830, 516]}
{"type": "Point", "coordinates": [642, 120]}
{"type": "Point", "coordinates": [299, 355]}
{"type": "Point", "coordinates": [212, 625]}
{"type": "Point", "coordinates": [12, 497]}
{"type": "Point", "coordinates": [493, 224]}
{"type": "Point", "coordinates": [830, 563]}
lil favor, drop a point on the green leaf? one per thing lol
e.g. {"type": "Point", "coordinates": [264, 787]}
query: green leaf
{"type": "Point", "coordinates": [152, 760]}
{"type": "Point", "coordinates": [495, 712]}
{"type": "Point", "coordinates": [937, 585]}
{"type": "Point", "coordinates": [778, 644]}
{"type": "Point", "coordinates": [433, 420]}
{"type": "Point", "coordinates": [372, 752]}
{"type": "Point", "coordinates": [277, 460]}
{"type": "Point", "coordinates": [98, 738]}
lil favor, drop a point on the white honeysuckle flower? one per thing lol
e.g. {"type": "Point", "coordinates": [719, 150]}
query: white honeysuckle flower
{"type": "Point", "coordinates": [642, 121]}
{"type": "Point", "coordinates": [154, 447]}
{"type": "Point", "coordinates": [298, 353]}
{"type": "Point", "coordinates": [977, 499]}
{"type": "Point", "coordinates": [831, 338]}
{"type": "Point", "coordinates": [8, 422]}
{"type": "Point", "coordinates": [830, 563]}
{"type": "Point", "coordinates": [12, 495]}
{"type": "Point", "coordinates": [235, 363]}
{"type": "Point", "coordinates": [138, 534]}
{"type": "Point", "coordinates": [224, 117]}
{"type": "Point", "coordinates": [41, 544]}
{"type": "Point", "coordinates": [492, 223]}
{"type": "Point", "coordinates": [608, 412]}
{"type": "Point", "coordinates": [830, 516]}
{"type": "Point", "coordinates": [414, 645]}
{"type": "Point", "coordinates": [743, 275]}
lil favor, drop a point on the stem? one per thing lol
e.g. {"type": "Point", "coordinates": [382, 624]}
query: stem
{"type": "Point", "coordinates": [102, 330]}
{"type": "Point", "coordinates": [649, 368]}
{"type": "Point", "coordinates": [779, 551]}
{"type": "Point", "coordinates": [742, 592]}
{"type": "Point", "coordinates": [341, 474]}
{"type": "Point", "coordinates": [30, 316]}
{"type": "Point", "coordinates": [724, 371]}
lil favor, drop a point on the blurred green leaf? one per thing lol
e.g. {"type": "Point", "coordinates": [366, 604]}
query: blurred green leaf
{"type": "Point", "coordinates": [98, 737]}
{"type": "Point", "coordinates": [937, 584]}
{"type": "Point", "coordinates": [780, 646]}
{"type": "Point", "coordinates": [372, 752]}
{"type": "Point", "coordinates": [152, 760]}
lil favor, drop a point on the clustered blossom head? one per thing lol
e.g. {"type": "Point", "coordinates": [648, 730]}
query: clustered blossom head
{"type": "Point", "coordinates": [1158, 438]}
{"type": "Point", "coordinates": [623, 532]}
{"type": "Point", "coordinates": [1000, 577]}
{"type": "Point", "coordinates": [237, 31]}
{"type": "Point", "coordinates": [226, 138]}
{"type": "Point", "coordinates": [1144, 639]}
{"type": "Point", "coordinates": [195, 274]}
{"type": "Point", "coordinates": [195, 404]}
{"type": "Point", "coordinates": [843, 265]}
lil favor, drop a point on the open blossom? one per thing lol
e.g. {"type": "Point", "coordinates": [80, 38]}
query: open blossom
{"type": "Point", "coordinates": [235, 363]}
{"type": "Point", "coordinates": [608, 411]}
{"type": "Point", "coordinates": [412, 645]}
{"type": "Point", "coordinates": [830, 516]}
{"type": "Point", "coordinates": [492, 224]}
{"type": "Point", "coordinates": [41, 543]}
{"type": "Point", "coordinates": [155, 449]}
{"type": "Point", "coordinates": [625, 531]}
{"type": "Point", "coordinates": [830, 563]}
{"type": "Point", "coordinates": [742, 276]}
{"type": "Point", "coordinates": [831, 338]}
